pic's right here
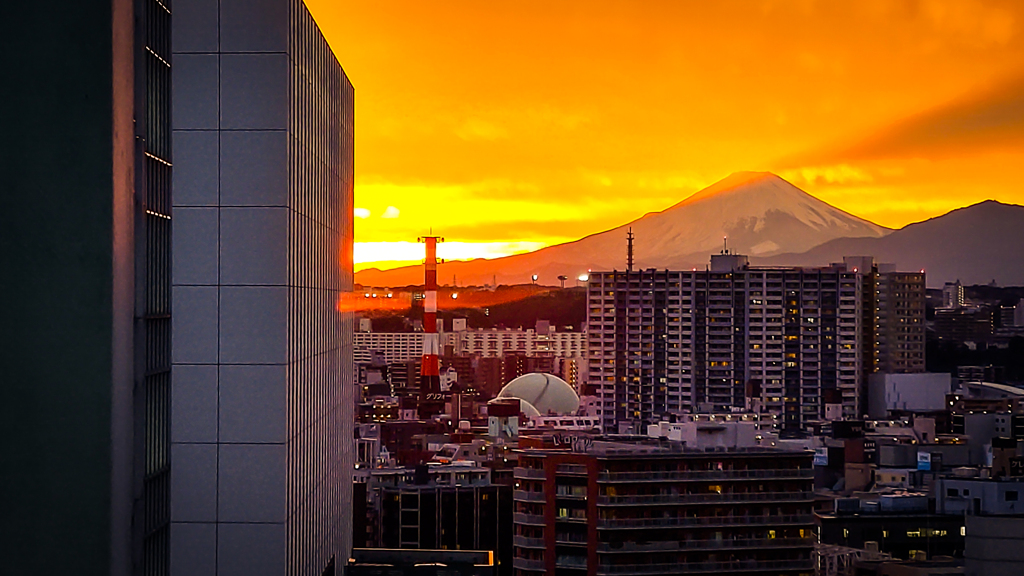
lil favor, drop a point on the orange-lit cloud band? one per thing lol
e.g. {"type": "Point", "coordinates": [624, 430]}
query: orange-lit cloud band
{"type": "Point", "coordinates": [542, 122]}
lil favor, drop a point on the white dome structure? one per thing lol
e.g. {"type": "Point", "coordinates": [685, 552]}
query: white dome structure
{"type": "Point", "coordinates": [525, 407]}
{"type": "Point", "coordinates": [546, 393]}
{"type": "Point", "coordinates": [528, 409]}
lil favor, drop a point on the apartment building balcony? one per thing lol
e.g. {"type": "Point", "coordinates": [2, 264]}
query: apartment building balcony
{"type": "Point", "coordinates": [530, 519]}
{"type": "Point", "coordinates": [528, 542]}
{"type": "Point", "coordinates": [571, 539]}
{"type": "Point", "coordinates": [526, 496]}
{"type": "Point", "coordinates": [532, 565]}
{"type": "Point", "coordinates": [572, 562]}
{"type": "Point", "coordinates": [528, 473]}
{"type": "Point", "coordinates": [712, 498]}
{"type": "Point", "coordinates": [571, 519]}
{"type": "Point", "coordinates": [709, 544]}
{"type": "Point", "coordinates": [575, 469]}
{"type": "Point", "coordinates": [698, 475]}
{"type": "Point", "coordinates": [705, 521]}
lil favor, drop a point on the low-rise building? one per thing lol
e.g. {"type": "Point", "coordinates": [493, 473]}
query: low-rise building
{"type": "Point", "coordinates": [617, 507]}
{"type": "Point", "coordinates": [989, 496]}
{"type": "Point", "coordinates": [451, 507]}
{"type": "Point", "coordinates": [901, 524]}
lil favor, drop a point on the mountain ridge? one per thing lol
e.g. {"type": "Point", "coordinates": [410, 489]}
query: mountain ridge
{"type": "Point", "coordinates": [759, 212]}
{"type": "Point", "coordinates": [977, 244]}
{"type": "Point", "coordinates": [763, 216]}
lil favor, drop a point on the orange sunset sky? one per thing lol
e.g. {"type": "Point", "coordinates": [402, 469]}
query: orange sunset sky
{"type": "Point", "coordinates": [507, 126]}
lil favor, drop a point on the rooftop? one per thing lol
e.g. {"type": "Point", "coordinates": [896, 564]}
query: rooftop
{"type": "Point", "coordinates": [654, 449]}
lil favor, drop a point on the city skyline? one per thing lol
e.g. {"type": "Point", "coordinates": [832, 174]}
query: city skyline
{"type": "Point", "coordinates": [538, 125]}
{"type": "Point", "coordinates": [756, 378]}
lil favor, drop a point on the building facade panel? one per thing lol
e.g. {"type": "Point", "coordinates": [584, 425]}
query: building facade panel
{"type": "Point", "coordinates": [279, 130]}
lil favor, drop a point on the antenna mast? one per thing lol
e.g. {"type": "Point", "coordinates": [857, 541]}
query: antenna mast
{"type": "Point", "coordinates": [629, 250]}
{"type": "Point", "coordinates": [430, 380]}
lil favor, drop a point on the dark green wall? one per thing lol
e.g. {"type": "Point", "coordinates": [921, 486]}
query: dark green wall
{"type": "Point", "coordinates": [56, 263]}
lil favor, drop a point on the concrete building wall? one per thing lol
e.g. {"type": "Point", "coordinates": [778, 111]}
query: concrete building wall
{"type": "Point", "coordinates": [86, 244]}
{"type": "Point", "coordinates": [994, 546]}
{"type": "Point", "coordinates": [263, 396]}
{"type": "Point", "coordinates": [921, 392]}
{"type": "Point", "coordinates": [68, 260]}
{"type": "Point", "coordinates": [975, 496]}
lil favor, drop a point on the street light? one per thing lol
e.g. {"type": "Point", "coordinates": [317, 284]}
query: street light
{"type": "Point", "coordinates": [534, 278]}
{"type": "Point", "coordinates": [582, 278]}
{"type": "Point", "coordinates": [562, 280]}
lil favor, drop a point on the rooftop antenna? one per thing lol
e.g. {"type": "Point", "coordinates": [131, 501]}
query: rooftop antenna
{"type": "Point", "coordinates": [629, 250]}
{"type": "Point", "coordinates": [725, 244]}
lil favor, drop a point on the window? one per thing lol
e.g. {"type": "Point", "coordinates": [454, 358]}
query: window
{"type": "Point", "coordinates": [1010, 496]}
{"type": "Point", "coordinates": [952, 492]}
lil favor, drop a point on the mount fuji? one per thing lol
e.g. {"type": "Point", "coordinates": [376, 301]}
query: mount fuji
{"type": "Point", "coordinates": [759, 214]}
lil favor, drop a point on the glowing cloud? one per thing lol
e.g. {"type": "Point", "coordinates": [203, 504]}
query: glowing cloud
{"type": "Point", "coordinates": [390, 212]}
{"type": "Point", "coordinates": [546, 121]}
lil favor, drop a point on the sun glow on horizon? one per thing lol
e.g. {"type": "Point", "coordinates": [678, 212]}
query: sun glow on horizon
{"type": "Point", "coordinates": [387, 255]}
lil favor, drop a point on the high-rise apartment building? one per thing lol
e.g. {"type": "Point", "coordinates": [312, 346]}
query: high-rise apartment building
{"type": "Point", "coordinates": [786, 340]}
{"type": "Point", "coordinates": [662, 508]}
{"type": "Point", "coordinates": [86, 238]}
{"type": "Point", "coordinates": [262, 355]}
{"type": "Point", "coordinates": [671, 342]}
{"type": "Point", "coordinates": [953, 295]}
{"type": "Point", "coordinates": [899, 321]}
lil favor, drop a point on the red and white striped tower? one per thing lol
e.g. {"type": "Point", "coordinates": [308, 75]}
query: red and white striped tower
{"type": "Point", "coordinates": [431, 401]}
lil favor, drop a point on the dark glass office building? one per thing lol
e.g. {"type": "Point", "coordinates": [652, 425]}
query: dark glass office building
{"type": "Point", "coordinates": [176, 365]}
{"type": "Point", "coordinates": [86, 243]}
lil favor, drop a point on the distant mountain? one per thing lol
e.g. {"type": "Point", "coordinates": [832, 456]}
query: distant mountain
{"type": "Point", "coordinates": [760, 213]}
{"type": "Point", "coordinates": [976, 244]}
